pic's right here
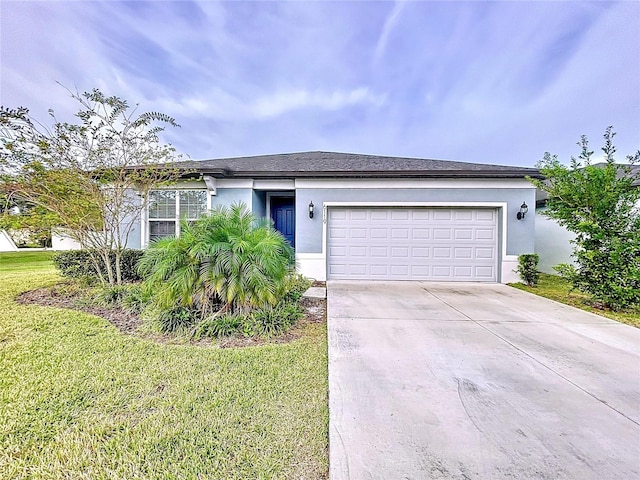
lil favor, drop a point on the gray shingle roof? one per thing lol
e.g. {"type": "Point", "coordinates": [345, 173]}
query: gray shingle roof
{"type": "Point", "coordinates": [336, 165]}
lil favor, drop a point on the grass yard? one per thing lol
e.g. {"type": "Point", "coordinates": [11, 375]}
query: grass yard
{"type": "Point", "coordinates": [79, 400]}
{"type": "Point", "coordinates": [558, 289]}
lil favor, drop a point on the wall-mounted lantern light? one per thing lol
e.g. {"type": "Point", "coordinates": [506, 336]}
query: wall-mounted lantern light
{"type": "Point", "coordinates": [311, 209]}
{"type": "Point", "coordinates": [523, 211]}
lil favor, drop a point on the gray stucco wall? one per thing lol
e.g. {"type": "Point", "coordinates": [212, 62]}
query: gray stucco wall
{"type": "Point", "coordinates": [228, 196]}
{"type": "Point", "coordinates": [520, 233]}
{"type": "Point", "coordinates": [552, 243]}
{"type": "Point", "coordinates": [259, 206]}
{"type": "Point", "coordinates": [134, 240]}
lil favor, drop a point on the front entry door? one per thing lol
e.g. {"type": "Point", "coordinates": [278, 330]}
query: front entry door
{"type": "Point", "coordinates": [283, 214]}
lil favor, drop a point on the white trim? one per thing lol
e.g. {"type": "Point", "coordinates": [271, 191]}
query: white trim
{"type": "Point", "coordinates": [234, 183]}
{"type": "Point", "coordinates": [183, 185]}
{"type": "Point", "coordinates": [403, 183]}
{"type": "Point", "coordinates": [274, 184]}
{"type": "Point", "coordinates": [144, 223]}
{"type": "Point", "coordinates": [210, 182]}
{"type": "Point", "coordinates": [504, 266]}
{"type": "Point", "coordinates": [509, 265]}
{"type": "Point", "coordinates": [290, 194]}
{"type": "Point", "coordinates": [312, 265]}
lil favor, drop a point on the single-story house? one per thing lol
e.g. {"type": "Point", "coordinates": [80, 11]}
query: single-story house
{"type": "Point", "coordinates": [553, 241]}
{"type": "Point", "coordinates": [352, 216]}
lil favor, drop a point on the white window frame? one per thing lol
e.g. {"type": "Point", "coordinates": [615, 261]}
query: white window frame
{"type": "Point", "coordinates": [177, 218]}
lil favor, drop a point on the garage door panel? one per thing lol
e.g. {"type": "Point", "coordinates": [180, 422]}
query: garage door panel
{"type": "Point", "coordinates": [399, 252]}
{"type": "Point", "coordinates": [399, 233]}
{"type": "Point", "coordinates": [337, 233]}
{"type": "Point", "coordinates": [463, 253]}
{"type": "Point", "coordinates": [442, 252]}
{"type": "Point", "coordinates": [356, 215]}
{"type": "Point", "coordinates": [420, 252]}
{"type": "Point", "coordinates": [465, 271]}
{"type": "Point", "coordinates": [463, 234]}
{"type": "Point", "coordinates": [485, 216]}
{"type": "Point", "coordinates": [376, 251]}
{"type": "Point", "coordinates": [446, 244]}
{"type": "Point", "coordinates": [337, 252]}
{"type": "Point", "coordinates": [400, 214]}
{"type": "Point", "coordinates": [379, 270]}
{"type": "Point", "coordinates": [463, 215]}
{"type": "Point", "coordinates": [442, 234]}
{"type": "Point", "coordinates": [358, 251]}
{"type": "Point", "coordinates": [418, 233]}
{"type": "Point", "coordinates": [484, 272]}
{"type": "Point", "coordinates": [485, 253]}
{"type": "Point", "coordinates": [485, 234]}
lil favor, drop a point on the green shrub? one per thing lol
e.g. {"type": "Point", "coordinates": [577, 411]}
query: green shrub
{"type": "Point", "coordinates": [528, 268]}
{"type": "Point", "coordinates": [270, 321]}
{"type": "Point", "coordinates": [172, 320]}
{"type": "Point", "coordinates": [77, 264]}
{"type": "Point", "coordinates": [295, 285]}
{"type": "Point", "coordinates": [225, 259]}
{"type": "Point", "coordinates": [220, 326]}
{"type": "Point", "coordinates": [130, 296]}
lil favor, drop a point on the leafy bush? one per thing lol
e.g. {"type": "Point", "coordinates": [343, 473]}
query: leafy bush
{"type": "Point", "coordinates": [270, 321]}
{"type": "Point", "coordinates": [528, 268]}
{"type": "Point", "coordinates": [295, 285]}
{"type": "Point", "coordinates": [171, 320]}
{"type": "Point", "coordinates": [227, 259]}
{"type": "Point", "coordinates": [130, 296]}
{"type": "Point", "coordinates": [599, 203]}
{"type": "Point", "coordinates": [78, 264]}
{"type": "Point", "coordinates": [219, 326]}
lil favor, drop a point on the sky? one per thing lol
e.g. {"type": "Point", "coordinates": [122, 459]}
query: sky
{"type": "Point", "coordinates": [482, 82]}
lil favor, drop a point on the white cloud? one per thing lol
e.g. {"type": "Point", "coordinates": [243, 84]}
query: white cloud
{"type": "Point", "coordinates": [286, 101]}
{"type": "Point", "coordinates": [389, 25]}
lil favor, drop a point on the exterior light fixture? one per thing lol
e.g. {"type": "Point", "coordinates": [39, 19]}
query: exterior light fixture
{"type": "Point", "coordinates": [523, 211]}
{"type": "Point", "coordinates": [311, 209]}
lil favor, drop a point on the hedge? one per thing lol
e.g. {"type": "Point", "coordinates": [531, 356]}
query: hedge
{"type": "Point", "coordinates": [78, 264]}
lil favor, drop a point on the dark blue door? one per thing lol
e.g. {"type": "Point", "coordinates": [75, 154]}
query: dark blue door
{"type": "Point", "coordinates": [283, 214]}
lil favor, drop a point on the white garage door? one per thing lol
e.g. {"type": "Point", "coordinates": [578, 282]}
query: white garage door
{"type": "Point", "coordinates": [444, 244]}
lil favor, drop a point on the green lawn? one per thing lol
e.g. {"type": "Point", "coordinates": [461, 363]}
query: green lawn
{"type": "Point", "coordinates": [558, 289]}
{"type": "Point", "coordinates": [80, 400]}
{"type": "Point", "coordinates": [25, 261]}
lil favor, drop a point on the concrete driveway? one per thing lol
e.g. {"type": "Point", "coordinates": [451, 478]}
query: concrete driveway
{"type": "Point", "coordinates": [478, 381]}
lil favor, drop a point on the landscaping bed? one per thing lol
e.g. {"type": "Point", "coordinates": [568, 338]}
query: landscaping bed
{"type": "Point", "coordinates": [129, 323]}
{"type": "Point", "coordinates": [80, 399]}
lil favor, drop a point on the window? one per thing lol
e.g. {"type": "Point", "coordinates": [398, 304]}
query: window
{"type": "Point", "coordinates": [168, 207]}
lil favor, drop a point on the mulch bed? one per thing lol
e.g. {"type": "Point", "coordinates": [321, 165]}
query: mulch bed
{"type": "Point", "coordinates": [129, 323]}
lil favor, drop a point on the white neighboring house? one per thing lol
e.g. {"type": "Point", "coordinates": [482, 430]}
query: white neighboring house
{"type": "Point", "coordinates": [60, 240]}
{"type": "Point", "coordinates": [553, 242]}
{"type": "Point", "coordinates": [6, 243]}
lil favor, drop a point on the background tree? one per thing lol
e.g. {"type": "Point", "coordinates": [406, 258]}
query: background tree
{"type": "Point", "coordinates": [94, 175]}
{"type": "Point", "coordinates": [26, 222]}
{"type": "Point", "coordinates": [601, 205]}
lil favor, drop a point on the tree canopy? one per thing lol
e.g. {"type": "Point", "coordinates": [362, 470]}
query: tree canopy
{"type": "Point", "coordinates": [93, 175]}
{"type": "Point", "coordinates": [600, 204]}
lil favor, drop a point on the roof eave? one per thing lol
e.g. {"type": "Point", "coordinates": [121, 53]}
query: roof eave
{"type": "Point", "coordinates": [222, 173]}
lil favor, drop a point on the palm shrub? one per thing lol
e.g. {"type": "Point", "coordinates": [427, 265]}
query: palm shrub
{"type": "Point", "coordinates": [226, 262]}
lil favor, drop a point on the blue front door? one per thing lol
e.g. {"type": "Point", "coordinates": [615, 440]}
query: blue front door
{"type": "Point", "coordinates": [283, 214]}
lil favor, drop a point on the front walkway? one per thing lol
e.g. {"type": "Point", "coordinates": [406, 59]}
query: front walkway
{"type": "Point", "coordinates": [478, 381]}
